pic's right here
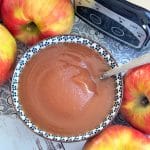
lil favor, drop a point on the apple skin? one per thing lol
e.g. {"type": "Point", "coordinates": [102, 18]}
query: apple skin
{"type": "Point", "coordinates": [33, 20]}
{"type": "Point", "coordinates": [118, 137]}
{"type": "Point", "coordinates": [136, 100]}
{"type": "Point", "coordinates": [8, 49]}
{"type": "Point", "coordinates": [0, 8]}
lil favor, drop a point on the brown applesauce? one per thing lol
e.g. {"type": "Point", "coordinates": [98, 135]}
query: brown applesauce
{"type": "Point", "coordinates": [60, 90]}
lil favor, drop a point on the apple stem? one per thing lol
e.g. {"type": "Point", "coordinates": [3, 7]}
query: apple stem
{"type": "Point", "coordinates": [31, 27]}
{"type": "Point", "coordinates": [144, 101]}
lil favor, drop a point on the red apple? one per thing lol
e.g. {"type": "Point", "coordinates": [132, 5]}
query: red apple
{"type": "Point", "coordinates": [136, 101]}
{"type": "Point", "coordinates": [33, 20]}
{"type": "Point", "coordinates": [119, 137]}
{"type": "Point", "coordinates": [0, 8]}
{"type": "Point", "coordinates": [7, 53]}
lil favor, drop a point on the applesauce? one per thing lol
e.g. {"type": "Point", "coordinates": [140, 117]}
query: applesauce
{"type": "Point", "coordinates": [60, 90]}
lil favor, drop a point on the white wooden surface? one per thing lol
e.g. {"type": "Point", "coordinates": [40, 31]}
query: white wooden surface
{"type": "Point", "coordinates": [14, 135]}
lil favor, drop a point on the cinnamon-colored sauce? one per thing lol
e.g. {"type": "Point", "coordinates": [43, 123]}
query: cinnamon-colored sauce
{"type": "Point", "coordinates": [60, 90]}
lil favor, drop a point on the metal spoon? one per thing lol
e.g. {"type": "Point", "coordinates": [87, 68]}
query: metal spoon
{"type": "Point", "coordinates": [125, 67]}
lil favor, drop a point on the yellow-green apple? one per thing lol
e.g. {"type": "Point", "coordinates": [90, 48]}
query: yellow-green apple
{"type": "Point", "coordinates": [118, 137]}
{"type": "Point", "coordinates": [136, 101]}
{"type": "Point", "coordinates": [33, 20]}
{"type": "Point", "coordinates": [7, 53]}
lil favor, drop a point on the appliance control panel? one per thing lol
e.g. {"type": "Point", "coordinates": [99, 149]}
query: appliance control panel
{"type": "Point", "coordinates": [111, 23]}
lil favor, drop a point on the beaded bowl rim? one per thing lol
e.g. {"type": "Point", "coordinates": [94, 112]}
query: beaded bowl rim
{"type": "Point", "coordinates": [69, 39]}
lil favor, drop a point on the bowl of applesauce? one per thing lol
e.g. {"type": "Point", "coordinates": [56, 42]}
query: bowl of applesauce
{"type": "Point", "coordinates": [57, 91]}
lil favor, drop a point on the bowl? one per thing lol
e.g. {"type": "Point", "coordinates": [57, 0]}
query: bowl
{"type": "Point", "coordinates": [69, 39]}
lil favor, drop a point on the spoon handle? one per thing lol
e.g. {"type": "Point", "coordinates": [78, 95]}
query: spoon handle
{"type": "Point", "coordinates": [131, 64]}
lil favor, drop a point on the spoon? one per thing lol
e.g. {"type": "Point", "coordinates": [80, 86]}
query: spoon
{"type": "Point", "coordinates": [141, 60]}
